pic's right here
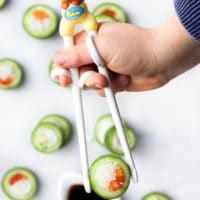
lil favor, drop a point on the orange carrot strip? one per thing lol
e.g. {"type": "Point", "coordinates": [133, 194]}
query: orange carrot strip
{"type": "Point", "coordinates": [109, 12]}
{"type": "Point", "coordinates": [115, 185]}
{"type": "Point", "coordinates": [16, 178]}
{"type": "Point", "coordinates": [119, 172]}
{"type": "Point", "coordinates": [120, 179]}
{"type": "Point", "coordinates": [40, 14]}
{"type": "Point", "coordinates": [6, 81]}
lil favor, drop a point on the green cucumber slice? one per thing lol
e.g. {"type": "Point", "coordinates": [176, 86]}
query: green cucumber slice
{"type": "Point", "coordinates": [40, 21]}
{"type": "Point", "coordinates": [47, 138]}
{"type": "Point", "coordinates": [112, 10]}
{"type": "Point", "coordinates": [103, 173]}
{"type": "Point", "coordinates": [112, 140]}
{"type": "Point", "coordinates": [2, 3]}
{"type": "Point", "coordinates": [10, 74]}
{"type": "Point", "coordinates": [20, 184]}
{"type": "Point", "coordinates": [62, 123]}
{"type": "Point", "coordinates": [103, 123]}
{"type": "Point", "coordinates": [156, 196]}
{"type": "Point", "coordinates": [105, 18]}
{"type": "Point", "coordinates": [51, 67]}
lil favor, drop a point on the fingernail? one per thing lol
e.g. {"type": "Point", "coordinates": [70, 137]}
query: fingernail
{"type": "Point", "coordinates": [98, 86]}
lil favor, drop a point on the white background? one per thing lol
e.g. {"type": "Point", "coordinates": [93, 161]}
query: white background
{"type": "Point", "coordinates": [166, 120]}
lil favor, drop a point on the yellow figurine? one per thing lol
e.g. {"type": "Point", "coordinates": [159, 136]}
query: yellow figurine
{"type": "Point", "coordinates": [76, 12]}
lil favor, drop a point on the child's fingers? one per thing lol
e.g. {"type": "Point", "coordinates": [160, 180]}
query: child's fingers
{"type": "Point", "coordinates": [80, 37]}
{"type": "Point", "coordinates": [75, 56]}
{"type": "Point", "coordinates": [96, 81]}
{"type": "Point", "coordinates": [65, 81]}
{"type": "Point", "coordinates": [118, 83]}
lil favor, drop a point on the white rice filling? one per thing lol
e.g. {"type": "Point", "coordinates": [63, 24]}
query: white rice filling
{"type": "Point", "coordinates": [21, 187]}
{"type": "Point", "coordinates": [47, 137]}
{"type": "Point", "coordinates": [105, 174]}
{"type": "Point", "coordinates": [106, 124]}
{"type": "Point", "coordinates": [6, 71]}
{"type": "Point", "coordinates": [39, 25]}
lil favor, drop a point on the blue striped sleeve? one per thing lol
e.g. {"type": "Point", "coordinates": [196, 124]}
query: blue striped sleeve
{"type": "Point", "coordinates": [189, 14]}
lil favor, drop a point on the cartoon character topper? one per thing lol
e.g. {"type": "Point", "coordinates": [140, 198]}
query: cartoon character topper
{"type": "Point", "coordinates": [76, 12]}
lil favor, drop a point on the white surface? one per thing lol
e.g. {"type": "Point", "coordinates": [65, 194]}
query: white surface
{"type": "Point", "coordinates": [166, 120]}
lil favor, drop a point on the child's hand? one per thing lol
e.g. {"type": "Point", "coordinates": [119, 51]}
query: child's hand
{"type": "Point", "coordinates": [138, 59]}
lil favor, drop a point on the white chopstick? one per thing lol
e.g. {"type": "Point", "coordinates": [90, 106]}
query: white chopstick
{"type": "Point", "coordinates": [80, 122]}
{"type": "Point", "coordinates": [113, 106]}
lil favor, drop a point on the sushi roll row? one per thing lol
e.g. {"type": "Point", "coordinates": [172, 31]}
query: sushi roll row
{"type": "Point", "coordinates": [41, 21]}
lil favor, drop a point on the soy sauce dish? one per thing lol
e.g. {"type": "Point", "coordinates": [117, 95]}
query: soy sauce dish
{"type": "Point", "coordinates": [70, 187]}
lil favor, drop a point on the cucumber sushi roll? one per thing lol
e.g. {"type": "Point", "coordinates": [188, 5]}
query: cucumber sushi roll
{"type": "Point", "coordinates": [20, 184]}
{"type": "Point", "coordinates": [47, 138]}
{"type": "Point", "coordinates": [105, 18]}
{"type": "Point", "coordinates": [113, 143]}
{"type": "Point", "coordinates": [2, 3]}
{"type": "Point", "coordinates": [10, 74]}
{"type": "Point", "coordinates": [112, 10]}
{"type": "Point", "coordinates": [62, 123]}
{"type": "Point", "coordinates": [156, 196]}
{"type": "Point", "coordinates": [109, 177]}
{"type": "Point", "coordinates": [103, 123]}
{"type": "Point", "coordinates": [40, 21]}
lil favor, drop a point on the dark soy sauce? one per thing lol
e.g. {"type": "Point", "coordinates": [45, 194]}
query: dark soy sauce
{"type": "Point", "coordinates": [77, 192]}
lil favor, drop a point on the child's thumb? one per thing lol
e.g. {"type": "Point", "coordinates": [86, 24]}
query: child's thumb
{"type": "Point", "coordinates": [73, 57]}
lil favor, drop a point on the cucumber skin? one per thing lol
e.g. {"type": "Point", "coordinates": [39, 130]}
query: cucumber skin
{"type": "Point", "coordinates": [67, 134]}
{"type": "Point", "coordinates": [98, 125]}
{"type": "Point", "coordinates": [107, 5]}
{"type": "Point", "coordinates": [105, 18]}
{"type": "Point", "coordinates": [46, 36]}
{"type": "Point", "coordinates": [109, 146]}
{"type": "Point", "coordinates": [122, 164]}
{"type": "Point", "coordinates": [20, 73]}
{"type": "Point", "coordinates": [2, 3]}
{"type": "Point", "coordinates": [152, 194]}
{"type": "Point", "coordinates": [29, 173]}
{"type": "Point", "coordinates": [58, 146]}
{"type": "Point", "coordinates": [51, 67]}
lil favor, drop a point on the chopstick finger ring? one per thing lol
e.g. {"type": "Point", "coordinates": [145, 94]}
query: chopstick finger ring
{"type": "Point", "coordinates": [57, 72]}
{"type": "Point", "coordinates": [84, 77]}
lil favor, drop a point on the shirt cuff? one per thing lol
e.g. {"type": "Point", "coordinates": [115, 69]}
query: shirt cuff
{"type": "Point", "coordinates": [189, 13]}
